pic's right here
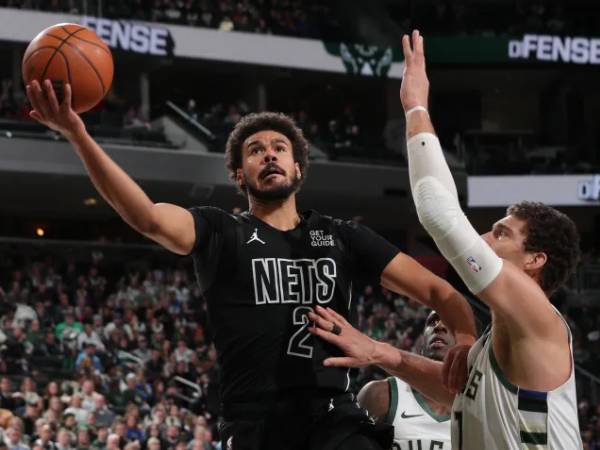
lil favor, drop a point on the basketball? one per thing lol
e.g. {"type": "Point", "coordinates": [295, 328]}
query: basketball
{"type": "Point", "coordinates": [70, 53]}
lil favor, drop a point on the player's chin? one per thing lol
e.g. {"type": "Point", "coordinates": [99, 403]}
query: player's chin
{"type": "Point", "coordinates": [437, 354]}
{"type": "Point", "coordinates": [270, 188]}
{"type": "Point", "coordinates": [274, 192]}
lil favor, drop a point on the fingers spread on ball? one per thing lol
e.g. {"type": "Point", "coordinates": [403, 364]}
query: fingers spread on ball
{"type": "Point", "coordinates": [38, 101]}
{"type": "Point", "coordinates": [51, 95]}
{"type": "Point", "coordinates": [66, 103]}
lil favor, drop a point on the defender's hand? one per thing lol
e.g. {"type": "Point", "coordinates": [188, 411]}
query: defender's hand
{"type": "Point", "coordinates": [455, 370]}
{"type": "Point", "coordinates": [415, 85]}
{"type": "Point", "coordinates": [332, 327]}
{"type": "Point", "coordinates": [47, 110]}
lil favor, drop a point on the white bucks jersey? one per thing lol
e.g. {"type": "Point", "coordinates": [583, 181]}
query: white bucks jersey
{"type": "Point", "coordinates": [416, 426]}
{"type": "Point", "coordinates": [494, 414]}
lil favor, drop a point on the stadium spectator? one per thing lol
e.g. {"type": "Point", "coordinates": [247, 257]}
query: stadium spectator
{"type": "Point", "coordinates": [44, 441]}
{"type": "Point", "coordinates": [76, 410]}
{"type": "Point", "coordinates": [113, 442]}
{"type": "Point", "coordinates": [87, 358]}
{"type": "Point", "coordinates": [13, 438]}
{"type": "Point", "coordinates": [89, 336]}
{"type": "Point", "coordinates": [69, 327]}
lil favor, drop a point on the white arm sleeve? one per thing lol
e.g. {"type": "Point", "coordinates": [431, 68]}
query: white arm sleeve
{"type": "Point", "coordinates": [436, 201]}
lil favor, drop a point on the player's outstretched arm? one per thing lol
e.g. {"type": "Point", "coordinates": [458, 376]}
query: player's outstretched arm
{"type": "Point", "coordinates": [424, 374]}
{"type": "Point", "coordinates": [169, 225]}
{"type": "Point", "coordinates": [406, 276]}
{"type": "Point", "coordinates": [507, 290]}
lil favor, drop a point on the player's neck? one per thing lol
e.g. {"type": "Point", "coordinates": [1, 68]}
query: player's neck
{"type": "Point", "coordinates": [281, 215]}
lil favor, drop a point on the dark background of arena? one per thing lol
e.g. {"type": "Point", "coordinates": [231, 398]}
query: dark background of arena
{"type": "Point", "coordinates": [91, 313]}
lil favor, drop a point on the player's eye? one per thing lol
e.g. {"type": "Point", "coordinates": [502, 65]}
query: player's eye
{"type": "Point", "coordinates": [499, 233]}
{"type": "Point", "coordinates": [281, 148]}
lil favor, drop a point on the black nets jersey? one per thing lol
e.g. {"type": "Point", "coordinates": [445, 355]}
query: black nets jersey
{"type": "Point", "coordinates": [259, 283]}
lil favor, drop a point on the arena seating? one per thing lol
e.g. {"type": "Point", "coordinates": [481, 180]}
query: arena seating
{"type": "Point", "coordinates": [80, 322]}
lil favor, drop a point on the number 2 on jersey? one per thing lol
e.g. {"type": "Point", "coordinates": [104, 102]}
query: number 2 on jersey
{"type": "Point", "coordinates": [297, 345]}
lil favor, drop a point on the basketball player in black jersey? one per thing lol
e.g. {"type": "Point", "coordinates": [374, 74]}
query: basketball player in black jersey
{"type": "Point", "coordinates": [261, 271]}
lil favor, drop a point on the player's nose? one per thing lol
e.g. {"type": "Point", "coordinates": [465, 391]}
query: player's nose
{"type": "Point", "coordinates": [439, 327]}
{"type": "Point", "coordinates": [270, 155]}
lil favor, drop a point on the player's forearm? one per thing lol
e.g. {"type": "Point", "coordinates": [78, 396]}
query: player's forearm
{"type": "Point", "coordinates": [436, 201]}
{"type": "Point", "coordinates": [423, 374]}
{"type": "Point", "coordinates": [116, 187]}
{"type": "Point", "coordinates": [455, 312]}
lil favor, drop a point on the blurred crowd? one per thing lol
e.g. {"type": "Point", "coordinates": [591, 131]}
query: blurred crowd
{"type": "Point", "coordinates": [101, 354]}
{"type": "Point", "coordinates": [12, 102]}
{"type": "Point", "coordinates": [301, 18]}
{"type": "Point", "coordinates": [114, 119]}
{"type": "Point", "coordinates": [320, 20]}
{"type": "Point", "coordinates": [339, 134]}
{"type": "Point", "coordinates": [98, 361]}
{"type": "Point", "coordinates": [113, 110]}
{"type": "Point", "coordinates": [445, 17]}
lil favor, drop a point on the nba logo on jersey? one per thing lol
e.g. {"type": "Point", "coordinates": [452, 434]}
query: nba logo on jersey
{"type": "Point", "coordinates": [473, 264]}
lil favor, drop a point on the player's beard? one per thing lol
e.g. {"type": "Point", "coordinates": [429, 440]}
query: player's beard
{"type": "Point", "coordinates": [277, 193]}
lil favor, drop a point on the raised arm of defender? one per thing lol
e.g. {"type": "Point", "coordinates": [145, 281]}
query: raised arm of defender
{"type": "Point", "coordinates": [523, 304]}
{"type": "Point", "coordinates": [521, 310]}
{"type": "Point", "coordinates": [169, 225]}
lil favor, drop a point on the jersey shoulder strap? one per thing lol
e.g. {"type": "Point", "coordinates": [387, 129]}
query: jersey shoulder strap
{"type": "Point", "coordinates": [393, 404]}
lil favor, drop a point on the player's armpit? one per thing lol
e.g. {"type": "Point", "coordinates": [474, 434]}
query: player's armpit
{"type": "Point", "coordinates": [521, 304]}
{"type": "Point", "coordinates": [406, 276]}
{"type": "Point", "coordinates": [375, 398]}
{"type": "Point", "coordinates": [172, 227]}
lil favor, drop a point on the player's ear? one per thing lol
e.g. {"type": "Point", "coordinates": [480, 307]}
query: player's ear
{"type": "Point", "coordinates": [298, 171]}
{"type": "Point", "coordinates": [239, 177]}
{"type": "Point", "coordinates": [535, 260]}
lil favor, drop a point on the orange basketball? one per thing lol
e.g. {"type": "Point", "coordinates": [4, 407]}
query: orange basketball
{"type": "Point", "coordinates": [70, 53]}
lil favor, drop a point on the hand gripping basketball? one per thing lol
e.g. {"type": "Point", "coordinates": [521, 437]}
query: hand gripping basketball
{"type": "Point", "coordinates": [47, 110]}
{"type": "Point", "coordinates": [69, 53]}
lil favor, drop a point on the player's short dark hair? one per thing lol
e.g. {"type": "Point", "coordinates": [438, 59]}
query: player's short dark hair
{"type": "Point", "coordinates": [256, 122]}
{"type": "Point", "coordinates": [554, 233]}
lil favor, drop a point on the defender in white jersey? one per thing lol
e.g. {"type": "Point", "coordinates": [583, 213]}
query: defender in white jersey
{"type": "Point", "coordinates": [520, 392]}
{"type": "Point", "coordinates": [419, 423]}
{"type": "Point", "coordinates": [510, 416]}
{"type": "Point", "coordinates": [417, 426]}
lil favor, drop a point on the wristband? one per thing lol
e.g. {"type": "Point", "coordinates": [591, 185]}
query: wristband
{"type": "Point", "coordinates": [416, 108]}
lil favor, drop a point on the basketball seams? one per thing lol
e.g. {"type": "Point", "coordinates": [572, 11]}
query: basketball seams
{"type": "Point", "coordinates": [56, 50]}
{"type": "Point", "coordinates": [80, 57]}
{"type": "Point", "coordinates": [37, 50]}
{"type": "Point", "coordinates": [66, 60]}
{"type": "Point", "coordinates": [105, 48]}
{"type": "Point", "coordinates": [84, 56]}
